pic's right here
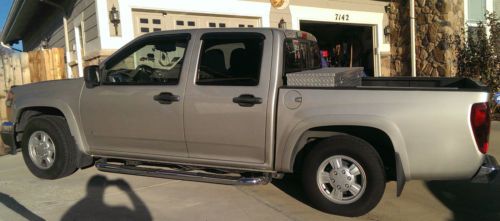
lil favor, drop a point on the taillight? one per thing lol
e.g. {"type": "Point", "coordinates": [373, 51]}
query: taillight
{"type": "Point", "coordinates": [480, 122]}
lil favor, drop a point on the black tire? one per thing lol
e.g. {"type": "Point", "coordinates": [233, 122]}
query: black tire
{"type": "Point", "coordinates": [65, 147]}
{"type": "Point", "coordinates": [368, 159]}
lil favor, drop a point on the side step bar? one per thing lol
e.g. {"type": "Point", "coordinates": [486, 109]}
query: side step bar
{"type": "Point", "coordinates": [102, 165]}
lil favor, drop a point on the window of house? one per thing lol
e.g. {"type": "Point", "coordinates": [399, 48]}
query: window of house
{"type": "Point", "coordinates": [156, 21]}
{"type": "Point", "coordinates": [496, 7]}
{"type": "Point", "coordinates": [144, 21]}
{"type": "Point", "coordinates": [180, 23]}
{"type": "Point", "coordinates": [476, 10]}
{"type": "Point", "coordinates": [144, 30]}
{"type": "Point", "coordinates": [191, 23]}
{"type": "Point", "coordinates": [231, 59]}
{"type": "Point", "coordinates": [158, 62]}
{"type": "Point", "coordinates": [212, 25]}
{"type": "Point", "coordinates": [222, 25]}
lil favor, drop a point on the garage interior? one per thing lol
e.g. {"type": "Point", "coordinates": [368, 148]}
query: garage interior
{"type": "Point", "coordinates": [343, 45]}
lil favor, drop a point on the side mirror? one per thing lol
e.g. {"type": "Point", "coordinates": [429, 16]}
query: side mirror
{"type": "Point", "coordinates": [91, 76]}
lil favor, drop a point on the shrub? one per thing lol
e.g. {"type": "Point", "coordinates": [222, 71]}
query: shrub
{"type": "Point", "coordinates": [479, 56]}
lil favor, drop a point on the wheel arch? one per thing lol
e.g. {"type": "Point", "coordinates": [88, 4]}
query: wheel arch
{"type": "Point", "coordinates": [307, 131]}
{"type": "Point", "coordinates": [375, 137]}
{"type": "Point", "coordinates": [24, 113]}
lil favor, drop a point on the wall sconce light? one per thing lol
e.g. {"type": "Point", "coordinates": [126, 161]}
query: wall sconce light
{"type": "Point", "coordinates": [387, 30]}
{"type": "Point", "coordinates": [388, 8]}
{"type": "Point", "coordinates": [44, 44]}
{"type": "Point", "coordinates": [282, 24]}
{"type": "Point", "coordinates": [114, 18]}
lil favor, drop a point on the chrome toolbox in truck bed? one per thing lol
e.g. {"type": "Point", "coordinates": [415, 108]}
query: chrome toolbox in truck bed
{"type": "Point", "coordinates": [326, 77]}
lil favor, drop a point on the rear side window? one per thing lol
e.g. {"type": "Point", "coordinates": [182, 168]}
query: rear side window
{"type": "Point", "coordinates": [232, 59]}
{"type": "Point", "coordinates": [301, 55]}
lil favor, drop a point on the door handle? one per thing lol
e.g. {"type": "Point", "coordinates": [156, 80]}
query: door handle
{"type": "Point", "coordinates": [166, 98]}
{"type": "Point", "coordinates": [247, 100]}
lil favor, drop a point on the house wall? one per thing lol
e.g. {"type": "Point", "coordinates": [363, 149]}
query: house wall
{"type": "Point", "coordinates": [81, 13]}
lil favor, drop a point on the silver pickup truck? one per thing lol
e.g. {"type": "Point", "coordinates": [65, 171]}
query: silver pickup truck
{"type": "Point", "coordinates": [214, 105]}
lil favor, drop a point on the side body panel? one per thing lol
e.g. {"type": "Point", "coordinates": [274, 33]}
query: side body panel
{"type": "Point", "coordinates": [127, 119]}
{"type": "Point", "coordinates": [223, 132]}
{"type": "Point", "coordinates": [430, 130]}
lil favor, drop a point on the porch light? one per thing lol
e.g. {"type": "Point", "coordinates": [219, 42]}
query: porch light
{"type": "Point", "coordinates": [114, 18]}
{"type": "Point", "coordinates": [387, 30]}
{"type": "Point", "coordinates": [388, 8]}
{"type": "Point", "coordinates": [282, 24]}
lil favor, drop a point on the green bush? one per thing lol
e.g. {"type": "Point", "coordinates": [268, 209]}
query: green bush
{"type": "Point", "coordinates": [479, 56]}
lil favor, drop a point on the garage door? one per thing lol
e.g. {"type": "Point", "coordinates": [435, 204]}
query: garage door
{"type": "Point", "coordinates": [145, 21]}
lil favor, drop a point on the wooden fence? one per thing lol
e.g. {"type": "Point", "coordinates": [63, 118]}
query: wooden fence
{"type": "Point", "coordinates": [28, 67]}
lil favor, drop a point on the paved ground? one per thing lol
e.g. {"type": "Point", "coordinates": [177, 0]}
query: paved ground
{"type": "Point", "coordinates": [121, 197]}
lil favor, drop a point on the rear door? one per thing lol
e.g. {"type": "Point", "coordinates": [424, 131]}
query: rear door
{"type": "Point", "coordinates": [226, 98]}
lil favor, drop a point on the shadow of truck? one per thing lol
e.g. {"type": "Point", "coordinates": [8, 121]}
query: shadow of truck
{"type": "Point", "coordinates": [469, 201]}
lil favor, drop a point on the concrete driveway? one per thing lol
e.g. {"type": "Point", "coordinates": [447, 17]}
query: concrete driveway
{"type": "Point", "coordinates": [92, 195]}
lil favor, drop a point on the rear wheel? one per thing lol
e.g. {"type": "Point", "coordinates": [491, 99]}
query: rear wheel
{"type": "Point", "coordinates": [344, 175]}
{"type": "Point", "coordinates": [49, 150]}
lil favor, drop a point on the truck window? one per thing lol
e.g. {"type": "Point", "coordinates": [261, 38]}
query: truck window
{"type": "Point", "coordinates": [157, 62]}
{"type": "Point", "coordinates": [233, 60]}
{"type": "Point", "coordinates": [300, 55]}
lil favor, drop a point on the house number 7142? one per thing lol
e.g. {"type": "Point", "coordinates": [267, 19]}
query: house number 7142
{"type": "Point", "coordinates": [341, 17]}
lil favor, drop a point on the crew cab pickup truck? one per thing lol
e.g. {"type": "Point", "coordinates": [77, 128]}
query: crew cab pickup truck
{"type": "Point", "coordinates": [214, 105]}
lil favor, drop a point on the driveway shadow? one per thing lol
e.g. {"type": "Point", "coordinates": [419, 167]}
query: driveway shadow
{"type": "Point", "coordinates": [469, 201]}
{"type": "Point", "coordinates": [15, 206]}
{"type": "Point", "coordinates": [291, 185]}
{"type": "Point", "coordinates": [92, 206]}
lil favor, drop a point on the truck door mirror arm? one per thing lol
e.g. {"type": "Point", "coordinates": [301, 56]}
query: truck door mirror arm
{"type": "Point", "coordinates": [91, 76]}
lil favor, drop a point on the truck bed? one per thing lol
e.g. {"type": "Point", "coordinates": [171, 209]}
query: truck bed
{"type": "Point", "coordinates": [410, 83]}
{"type": "Point", "coordinates": [423, 83]}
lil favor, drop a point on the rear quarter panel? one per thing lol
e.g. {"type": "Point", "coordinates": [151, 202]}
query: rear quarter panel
{"type": "Point", "coordinates": [430, 130]}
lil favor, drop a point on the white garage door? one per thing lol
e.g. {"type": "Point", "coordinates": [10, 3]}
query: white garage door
{"type": "Point", "coordinates": [146, 21]}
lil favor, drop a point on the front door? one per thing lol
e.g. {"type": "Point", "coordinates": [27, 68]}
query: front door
{"type": "Point", "coordinates": [138, 108]}
{"type": "Point", "coordinates": [226, 103]}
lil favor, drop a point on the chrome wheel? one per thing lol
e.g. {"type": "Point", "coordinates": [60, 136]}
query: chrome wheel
{"type": "Point", "coordinates": [42, 150]}
{"type": "Point", "coordinates": [341, 179]}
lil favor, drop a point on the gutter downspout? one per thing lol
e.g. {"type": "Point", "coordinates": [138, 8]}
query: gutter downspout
{"type": "Point", "coordinates": [9, 47]}
{"type": "Point", "coordinates": [9, 23]}
{"type": "Point", "coordinates": [412, 39]}
{"type": "Point", "coordinates": [66, 38]}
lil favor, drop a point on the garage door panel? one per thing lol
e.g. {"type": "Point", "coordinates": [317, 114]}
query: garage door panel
{"type": "Point", "coordinates": [145, 22]}
{"type": "Point", "coordinates": [149, 21]}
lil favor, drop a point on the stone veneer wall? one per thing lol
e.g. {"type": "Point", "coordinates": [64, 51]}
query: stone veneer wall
{"type": "Point", "coordinates": [437, 21]}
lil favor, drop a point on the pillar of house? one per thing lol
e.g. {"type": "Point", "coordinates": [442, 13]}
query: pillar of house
{"type": "Point", "coordinates": [438, 23]}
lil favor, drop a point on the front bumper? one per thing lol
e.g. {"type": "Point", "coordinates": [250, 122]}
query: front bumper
{"type": "Point", "coordinates": [8, 136]}
{"type": "Point", "coordinates": [488, 171]}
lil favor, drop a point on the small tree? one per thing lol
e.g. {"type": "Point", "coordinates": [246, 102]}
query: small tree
{"type": "Point", "coordinates": [479, 56]}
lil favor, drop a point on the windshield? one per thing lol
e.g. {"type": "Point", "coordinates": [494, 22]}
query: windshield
{"type": "Point", "coordinates": [301, 55]}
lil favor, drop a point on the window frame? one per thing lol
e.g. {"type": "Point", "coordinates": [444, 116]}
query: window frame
{"type": "Point", "coordinates": [136, 45]}
{"type": "Point", "coordinates": [229, 36]}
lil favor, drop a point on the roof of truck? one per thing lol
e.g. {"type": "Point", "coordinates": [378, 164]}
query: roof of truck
{"type": "Point", "coordinates": [287, 32]}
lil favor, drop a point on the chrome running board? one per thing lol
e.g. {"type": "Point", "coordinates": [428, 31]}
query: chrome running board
{"type": "Point", "coordinates": [206, 177]}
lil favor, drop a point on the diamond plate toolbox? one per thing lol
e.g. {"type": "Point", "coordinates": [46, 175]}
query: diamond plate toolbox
{"type": "Point", "coordinates": [326, 77]}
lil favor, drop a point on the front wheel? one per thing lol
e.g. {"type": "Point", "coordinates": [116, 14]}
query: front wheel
{"type": "Point", "coordinates": [343, 175]}
{"type": "Point", "coordinates": [49, 150]}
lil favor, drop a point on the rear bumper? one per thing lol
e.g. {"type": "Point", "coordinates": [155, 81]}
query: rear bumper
{"type": "Point", "coordinates": [8, 136]}
{"type": "Point", "coordinates": [488, 171]}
